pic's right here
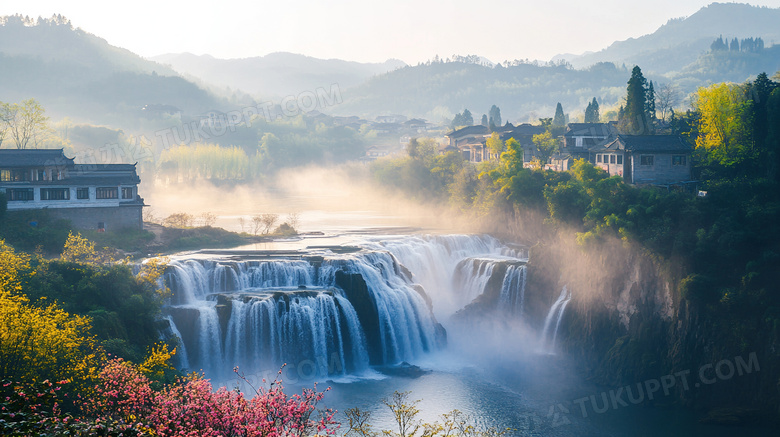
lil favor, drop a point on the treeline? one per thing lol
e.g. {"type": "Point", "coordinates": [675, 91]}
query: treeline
{"type": "Point", "coordinates": [278, 144]}
{"type": "Point", "coordinates": [747, 45]}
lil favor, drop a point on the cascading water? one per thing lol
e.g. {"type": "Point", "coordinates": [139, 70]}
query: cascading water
{"type": "Point", "coordinates": [513, 289]}
{"type": "Point", "coordinates": [266, 313]}
{"type": "Point", "coordinates": [556, 312]}
{"type": "Point", "coordinates": [341, 314]}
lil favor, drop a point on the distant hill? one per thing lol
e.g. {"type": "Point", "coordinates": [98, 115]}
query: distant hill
{"type": "Point", "coordinates": [523, 92]}
{"type": "Point", "coordinates": [277, 74]}
{"type": "Point", "coordinates": [678, 53]}
{"type": "Point", "coordinates": [76, 74]}
{"type": "Point", "coordinates": [682, 40]}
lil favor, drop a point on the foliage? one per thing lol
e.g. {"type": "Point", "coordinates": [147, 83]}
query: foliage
{"type": "Point", "coordinates": [546, 145]}
{"type": "Point", "coordinates": [494, 116]}
{"type": "Point", "coordinates": [179, 220]}
{"type": "Point", "coordinates": [724, 135]}
{"type": "Point", "coordinates": [23, 123]}
{"type": "Point", "coordinates": [592, 112]}
{"type": "Point", "coordinates": [80, 250]}
{"type": "Point", "coordinates": [39, 342]}
{"type": "Point", "coordinates": [495, 145]}
{"type": "Point", "coordinates": [405, 412]}
{"type": "Point", "coordinates": [31, 230]}
{"type": "Point", "coordinates": [191, 407]}
{"type": "Point", "coordinates": [559, 120]}
{"type": "Point", "coordinates": [635, 119]}
{"type": "Point", "coordinates": [3, 205]}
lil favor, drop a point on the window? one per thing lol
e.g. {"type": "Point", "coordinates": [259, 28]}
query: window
{"type": "Point", "coordinates": [611, 159]}
{"type": "Point", "coordinates": [598, 158]}
{"type": "Point", "coordinates": [82, 193]}
{"type": "Point", "coordinates": [20, 194]}
{"type": "Point", "coordinates": [41, 175]}
{"type": "Point", "coordinates": [620, 159]}
{"type": "Point", "coordinates": [55, 193]}
{"type": "Point", "coordinates": [127, 192]}
{"type": "Point", "coordinates": [107, 193]}
{"type": "Point", "coordinates": [577, 141]}
{"type": "Point", "coordinates": [16, 176]}
{"type": "Point", "coordinates": [5, 175]}
{"type": "Point", "coordinates": [646, 160]}
{"type": "Point", "coordinates": [679, 160]}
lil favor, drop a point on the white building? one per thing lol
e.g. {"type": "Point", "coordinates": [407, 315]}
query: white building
{"type": "Point", "coordinates": [91, 196]}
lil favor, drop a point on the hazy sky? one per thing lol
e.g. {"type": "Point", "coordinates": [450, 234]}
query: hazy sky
{"type": "Point", "coordinates": [365, 30]}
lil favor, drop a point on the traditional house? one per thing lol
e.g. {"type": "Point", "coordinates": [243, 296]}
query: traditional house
{"type": "Point", "coordinates": [472, 140]}
{"type": "Point", "coordinates": [91, 196]}
{"type": "Point", "coordinates": [646, 159]}
{"type": "Point", "coordinates": [579, 138]}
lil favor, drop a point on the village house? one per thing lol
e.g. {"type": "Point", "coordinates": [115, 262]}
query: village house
{"type": "Point", "coordinates": [471, 141]}
{"type": "Point", "coordinates": [646, 159]}
{"type": "Point", "coordinates": [91, 196]}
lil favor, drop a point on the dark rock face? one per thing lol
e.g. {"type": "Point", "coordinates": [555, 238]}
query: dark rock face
{"type": "Point", "coordinates": [357, 293]}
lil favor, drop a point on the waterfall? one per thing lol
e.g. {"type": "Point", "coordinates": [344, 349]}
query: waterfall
{"type": "Point", "coordinates": [255, 314]}
{"type": "Point", "coordinates": [513, 290]}
{"type": "Point", "coordinates": [556, 312]}
{"type": "Point", "coordinates": [337, 314]}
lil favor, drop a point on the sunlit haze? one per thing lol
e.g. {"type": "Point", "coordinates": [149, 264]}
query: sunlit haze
{"type": "Point", "coordinates": [411, 31]}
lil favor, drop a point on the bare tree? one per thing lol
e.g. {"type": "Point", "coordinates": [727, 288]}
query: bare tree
{"type": "Point", "coordinates": [257, 223]}
{"type": "Point", "coordinates": [242, 222]}
{"type": "Point", "coordinates": [179, 220]}
{"type": "Point", "coordinates": [268, 220]}
{"type": "Point", "coordinates": [294, 219]}
{"type": "Point", "coordinates": [208, 219]}
{"type": "Point", "coordinates": [666, 98]}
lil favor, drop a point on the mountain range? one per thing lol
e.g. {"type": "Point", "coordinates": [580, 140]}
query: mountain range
{"type": "Point", "coordinates": [79, 75]}
{"type": "Point", "coordinates": [275, 75]}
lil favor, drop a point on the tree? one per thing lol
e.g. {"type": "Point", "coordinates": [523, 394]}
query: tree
{"type": "Point", "coordinates": [592, 112]}
{"type": "Point", "coordinates": [494, 117]}
{"type": "Point", "coordinates": [560, 118]}
{"type": "Point", "coordinates": [545, 146]}
{"type": "Point", "coordinates": [495, 145]}
{"type": "Point", "coordinates": [179, 220]}
{"type": "Point", "coordinates": [484, 121]}
{"type": "Point", "coordinates": [468, 119]}
{"type": "Point", "coordinates": [25, 124]}
{"type": "Point", "coordinates": [635, 120]}
{"type": "Point", "coordinates": [650, 104]}
{"type": "Point", "coordinates": [268, 221]}
{"type": "Point", "coordinates": [667, 97]}
{"type": "Point", "coordinates": [725, 137]}
{"type": "Point", "coordinates": [718, 45]}
{"type": "Point", "coordinates": [734, 45]}
{"type": "Point", "coordinates": [457, 121]}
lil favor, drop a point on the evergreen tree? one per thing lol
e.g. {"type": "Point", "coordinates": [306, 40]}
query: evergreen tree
{"type": "Point", "coordinates": [734, 45]}
{"type": "Point", "coordinates": [634, 120]}
{"type": "Point", "coordinates": [484, 121]}
{"type": "Point", "coordinates": [560, 119]}
{"type": "Point", "coordinates": [718, 45]}
{"type": "Point", "coordinates": [468, 120]}
{"type": "Point", "coordinates": [592, 112]}
{"type": "Point", "coordinates": [494, 117]}
{"type": "Point", "coordinates": [457, 121]}
{"type": "Point", "coordinates": [650, 104]}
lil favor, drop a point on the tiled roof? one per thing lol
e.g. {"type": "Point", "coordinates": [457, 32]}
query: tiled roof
{"type": "Point", "coordinates": [648, 143]}
{"type": "Point", "coordinates": [10, 158]}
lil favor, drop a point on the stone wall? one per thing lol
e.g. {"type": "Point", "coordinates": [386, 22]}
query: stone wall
{"type": "Point", "coordinates": [113, 218]}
